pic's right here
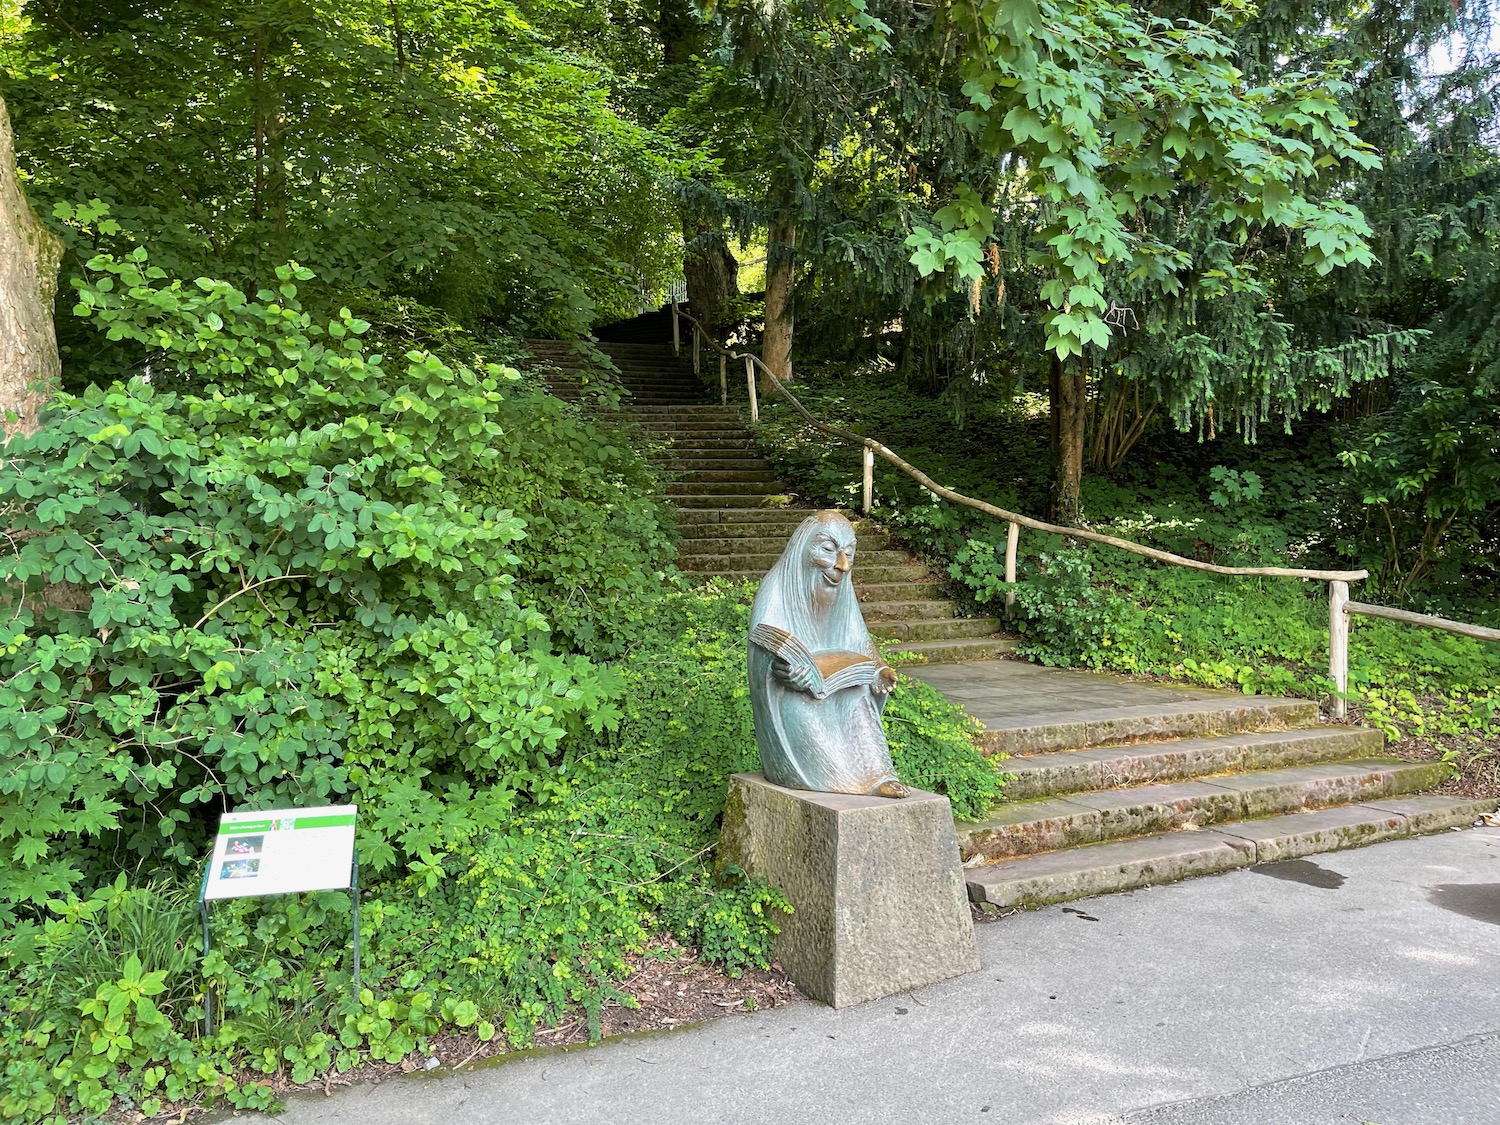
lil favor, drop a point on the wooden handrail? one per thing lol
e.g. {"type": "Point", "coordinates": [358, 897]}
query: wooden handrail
{"type": "Point", "coordinates": [1339, 606]}
{"type": "Point", "coordinates": [752, 361]}
{"type": "Point", "coordinates": [1431, 621]}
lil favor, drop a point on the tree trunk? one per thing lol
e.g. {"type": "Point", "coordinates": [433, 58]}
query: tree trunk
{"type": "Point", "coordinates": [781, 265]}
{"type": "Point", "coordinates": [29, 257]}
{"type": "Point", "coordinates": [1068, 411]}
{"type": "Point", "coordinates": [711, 271]}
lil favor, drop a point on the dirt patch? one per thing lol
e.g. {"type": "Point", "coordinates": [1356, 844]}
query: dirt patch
{"type": "Point", "coordinates": [1477, 763]}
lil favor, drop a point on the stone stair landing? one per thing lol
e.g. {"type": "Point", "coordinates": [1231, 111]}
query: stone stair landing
{"type": "Point", "coordinates": [1119, 785]}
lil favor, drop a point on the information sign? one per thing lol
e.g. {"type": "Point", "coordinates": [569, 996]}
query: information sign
{"type": "Point", "coordinates": [282, 851]}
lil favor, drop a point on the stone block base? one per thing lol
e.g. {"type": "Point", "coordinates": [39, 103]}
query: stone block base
{"type": "Point", "coordinates": [879, 894]}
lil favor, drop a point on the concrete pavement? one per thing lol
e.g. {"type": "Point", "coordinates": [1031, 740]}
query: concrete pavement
{"type": "Point", "coordinates": [1358, 987]}
{"type": "Point", "coordinates": [1353, 987]}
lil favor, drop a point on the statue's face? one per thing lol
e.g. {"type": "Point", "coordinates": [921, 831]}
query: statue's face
{"type": "Point", "coordinates": [832, 553]}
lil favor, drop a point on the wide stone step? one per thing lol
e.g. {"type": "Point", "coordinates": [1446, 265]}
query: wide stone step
{"type": "Point", "coordinates": [728, 446]}
{"type": "Point", "coordinates": [761, 543]}
{"type": "Point", "coordinates": [1149, 763]}
{"type": "Point", "coordinates": [1030, 734]}
{"type": "Point", "coordinates": [730, 500]}
{"type": "Point", "coordinates": [687, 488]}
{"type": "Point", "coordinates": [864, 562]}
{"type": "Point", "coordinates": [749, 463]}
{"type": "Point", "coordinates": [680, 451]}
{"type": "Point", "coordinates": [731, 534]}
{"type": "Point", "coordinates": [923, 630]}
{"type": "Point", "coordinates": [1061, 876]}
{"type": "Point", "coordinates": [731, 476]}
{"type": "Point", "coordinates": [1017, 828]}
{"type": "Point", "coordinates": [935, 608]}
{"type": "Point", "coordinates": [737, 517]}
{"type": "Point", "coordinates": [710, 411]}
{"type": "Point", "coordinates": [874, 574]}
{"type": "Point", "coordinates": [679, 430]}
{"type": "Point", "coordinates": [951, 652]}
{"type": "Point", "coordinates": [878, 592]}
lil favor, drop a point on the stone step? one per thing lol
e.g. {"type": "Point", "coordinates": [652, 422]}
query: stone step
{"type": "Point", "coordinates": [724, 488]}
{"type": "Point", "coordinates": [733, 533]}
{"type": "Point", "coordinates": [731, 476]}
{"type": "Point", "coordinates": [737, 517]}
{"type": "Point", "coordinates": [873, 574]}
{"type": "Point", "coordinates": [924, 630]}
{"type": "Point", "coordinates": [1061, 876]}
{"type": "Point", "coordinates": [699, 411]}
{"type": "Point", "coordinates": [739, 560]}
{"type": "Point", "coordinates": [928, 589]}
{"type": "Point", "coordinates": [730, 447]}
{"type": "Point", "coordinates": [939, 609]}
{"type": "Point", "coordinates": [678, 430]}
{"type": "Point", "coordinates": [730, 500]}
{"type": "Point", "coordinates": [1032, 734]}
{"type": "Point", "coordinates": [764, 544]}
{"type": "Point", "coordinates": [1149, 763]}
{"type": "Point", "coordinates": [951, 652]}
{"type": "Point", "coordinates": [1017, 828]}
{"type": "Point", "coordinates": [749, 462]}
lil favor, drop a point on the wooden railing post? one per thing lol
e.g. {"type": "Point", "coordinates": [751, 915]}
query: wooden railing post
{"type": "Point", "coordinates": [723, 379]}
{"type": "Point", "coordinates": [696, 337]}
{"type": "Point", "coordinates": [750, 383]}
{"type": "Point", "coordinates": [676, 330]}
{"type": "Point", "coordinates": [869, 477]}
{"type": "Point", "coordinates": [1012, 538]}
{"type": "Point", "coordinates": [1338, 645]}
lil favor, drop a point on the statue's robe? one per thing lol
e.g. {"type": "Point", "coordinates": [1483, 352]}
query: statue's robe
{"type": "Point", "coordinates": [832, 745]}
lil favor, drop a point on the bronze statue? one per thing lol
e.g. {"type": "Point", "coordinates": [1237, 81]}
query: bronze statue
{"type": "Point", "coordinates": [817, 682]}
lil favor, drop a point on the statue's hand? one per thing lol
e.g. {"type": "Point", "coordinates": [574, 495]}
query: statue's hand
{"type": "Point", "coordinates": [885, 680]}
{"type": "Point", "coordinates": [798, 677]}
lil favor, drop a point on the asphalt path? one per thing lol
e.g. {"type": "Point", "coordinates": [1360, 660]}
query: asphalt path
{"type": "Point", "coordinates": [1352, 988]}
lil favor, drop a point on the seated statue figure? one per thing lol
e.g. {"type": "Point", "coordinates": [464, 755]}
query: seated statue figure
{"type": "Point", "coordinates": [817, 682]}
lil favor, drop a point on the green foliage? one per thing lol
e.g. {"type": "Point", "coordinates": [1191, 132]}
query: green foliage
{"type": "Point", "coordinates": [686, 723]}
{"type": "Point", "coordinates": [932, 746]}
{"type": "Point", "coordinates": [729, 916]}
{"type": "Point", "coordinates": [273, 597]}
{"type": "Point", "coordinates": [464, 156]}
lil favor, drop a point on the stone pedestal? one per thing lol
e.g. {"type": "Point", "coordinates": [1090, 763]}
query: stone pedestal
{"type": "Point", "coordinates": [876, 883]}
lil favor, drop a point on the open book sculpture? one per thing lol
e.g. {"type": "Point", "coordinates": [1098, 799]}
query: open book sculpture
{"type": "Point", "coordinates": [817, 683]}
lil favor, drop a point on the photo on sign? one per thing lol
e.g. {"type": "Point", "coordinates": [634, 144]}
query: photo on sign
{"type": "Point", "coordinates": [240, 869]}
{"type": "Point", "coordinates": [246, 845]}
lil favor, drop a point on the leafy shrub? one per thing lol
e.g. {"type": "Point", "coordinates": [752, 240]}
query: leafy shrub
{"type": "Point", "coordinates": [282, 596]}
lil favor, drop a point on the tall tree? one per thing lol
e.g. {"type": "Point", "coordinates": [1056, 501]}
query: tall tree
{"type": "Point", "coordinates": [29, 257]}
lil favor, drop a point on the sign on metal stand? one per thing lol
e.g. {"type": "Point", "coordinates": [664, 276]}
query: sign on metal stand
{"type": "Point", "coordinates": [279, 852]}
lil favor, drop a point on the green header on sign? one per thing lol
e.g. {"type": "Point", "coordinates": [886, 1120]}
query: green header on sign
{"type": "Point", "coordinates": [335, 821]}
{"type": "Point", "coordinates": [244, 826]}
{"type": "Point", "coordinates": [282, 823]}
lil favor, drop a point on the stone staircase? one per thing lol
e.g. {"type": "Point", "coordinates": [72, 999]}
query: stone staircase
{"type": "Point", "coordinates": [735, 515]}
{"type": "Point", "coordinates": [1117, 797]}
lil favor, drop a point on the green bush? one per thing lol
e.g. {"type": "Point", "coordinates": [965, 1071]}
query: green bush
{"type": "Point", "coordinates": [273, 594]}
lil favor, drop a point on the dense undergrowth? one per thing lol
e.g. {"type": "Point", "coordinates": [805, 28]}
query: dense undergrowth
{"type": "Point", "coordinates": [1283, 502]}
{"type": "Point", "coordinates": [287, 570]}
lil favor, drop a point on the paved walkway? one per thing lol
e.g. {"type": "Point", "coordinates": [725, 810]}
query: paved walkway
{"type": "Point", "coordinates": [1355, 987]}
